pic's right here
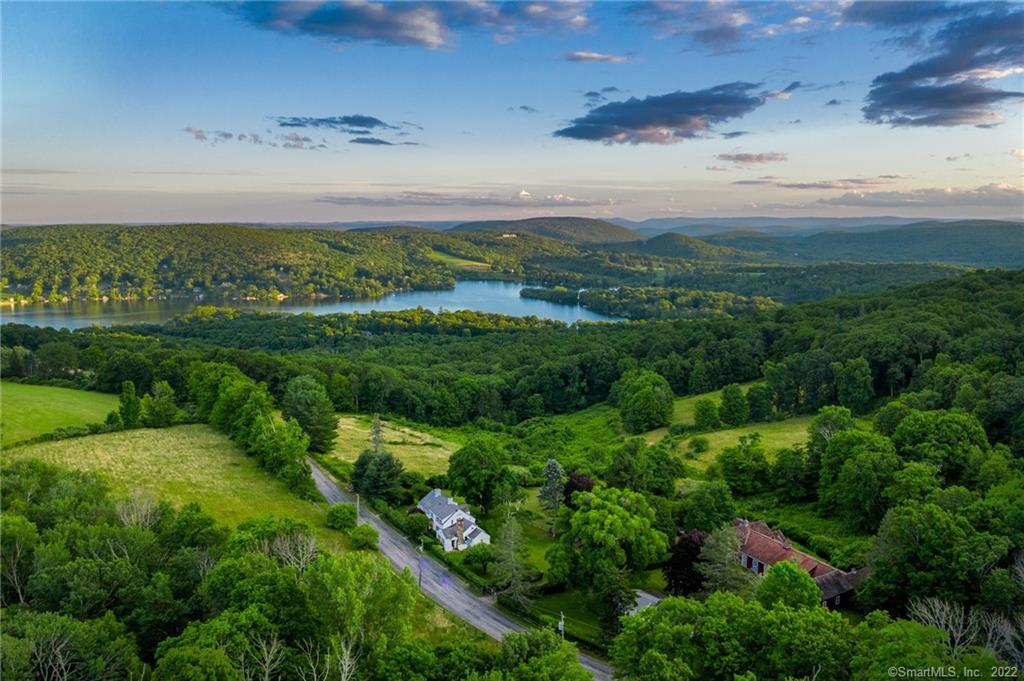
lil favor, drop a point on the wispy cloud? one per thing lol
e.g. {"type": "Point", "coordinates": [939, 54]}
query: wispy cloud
{"type": "Point", "coordinates": [431, 25]}
{"type": "Point", "coordinates": [416, 198]}
{"type": "Point", "coordinates": [664, 119]}
{"type": "Point", "coordinates": [996, 195]}
{"type": "Point", "coordinates": [749, 159]}
{"type": "Point", "coordinates": [588, 56]}
{"type": "Point", "coordinates": [338, 123]}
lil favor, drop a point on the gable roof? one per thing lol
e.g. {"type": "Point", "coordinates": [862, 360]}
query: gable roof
{"type": "Point", "coordinates": [769, 547]}
{"type": "Point", "coordinates": [440, 505]}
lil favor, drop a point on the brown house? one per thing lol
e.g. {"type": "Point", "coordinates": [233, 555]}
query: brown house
{"type": "Point", "coordinates": [761, 547]}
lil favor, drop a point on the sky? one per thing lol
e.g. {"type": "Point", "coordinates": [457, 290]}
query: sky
{"type": "Point", "coordinates": [358, 110]}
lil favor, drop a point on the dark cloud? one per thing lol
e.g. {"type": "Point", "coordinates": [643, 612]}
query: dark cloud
{"type": "Point", "coordinates": [715, 25]}
{"type": "Point", "coordinates": [340, 123]}
{"type": "Point", "coordinates": [734, 134]}
{"type": "Point", "coordinates": [847, 183]}
{"type": "Point", "coordinates": [371, 141]}
{"type": "Point", "coordinates": [752, 182]}
{"type": "Point", "coordinates": [223, 135]}
{"type": "Point", "coordinates": [589, 56]}
{"type": "Point", "coordinates": [717, 169]}
{"type": "Point", "coordinates": [748, 159]}
{"type": "Point", "coordinates": [525, 108]}
{"type": "Point", "coordinates": [664, 119]}
{"type": "Point", "coordinates": [951, 83]}
{"type": "Point", "coordinates": [423, 24]}
{"type": "Point", "coordinates": [898, 13]}
{"type": "Point", "coordinates": [833, 102]}
{"type": "Point", "coordinates": [520, 199]}
{"type": "Point", "coordinates": [197, 133]}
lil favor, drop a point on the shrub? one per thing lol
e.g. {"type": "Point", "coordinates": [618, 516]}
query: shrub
{"type": "Point", "coordinates": [417, 525]}
{"type": "Point", "coordinates": [364, 537]}
{"type": "Point", "coordinates": [698, 445]}
{"type": "Point", "coordinates": [477, 558]}
{"type": "Point", "coordinates": [341, 517]}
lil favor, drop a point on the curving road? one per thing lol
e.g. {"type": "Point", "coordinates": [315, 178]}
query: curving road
{"type": "Point", "coordinates": [443, 587]}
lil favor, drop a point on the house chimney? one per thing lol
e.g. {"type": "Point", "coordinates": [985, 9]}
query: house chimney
{"type": "Point", "coordinates": [458, 531]}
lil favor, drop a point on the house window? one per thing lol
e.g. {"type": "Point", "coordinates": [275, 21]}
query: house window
{"type": "Point", "coordinates": [453, 543]}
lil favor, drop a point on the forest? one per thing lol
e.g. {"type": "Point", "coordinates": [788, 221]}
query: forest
{"type": "Point", "coordinates": [222, 263]}
{"type": "Point", "coordinates": [909, 467]}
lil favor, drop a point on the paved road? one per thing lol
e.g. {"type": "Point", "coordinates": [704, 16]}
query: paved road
{"type": "Point", "coordinates": [443, 587]}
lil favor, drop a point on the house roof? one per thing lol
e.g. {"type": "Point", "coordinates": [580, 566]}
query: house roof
{"type": "Point", "coordinates": [838, 582]}
{"type": "Point", "coordinates": [769, 547]}
{"type": "Point", "coordinates": [440, 505]}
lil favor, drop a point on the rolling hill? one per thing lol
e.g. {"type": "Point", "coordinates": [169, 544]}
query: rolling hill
{"type": "Point", "coordinates": [574, 230]}
{"type": "Point", "coordinates": [979, 243]}
{"type": "Point", "coordinates": [676, 245]}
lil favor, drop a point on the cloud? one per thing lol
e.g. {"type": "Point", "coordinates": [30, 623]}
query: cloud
{"type": "Point", "coordinates": [199, 135]}
{"type": "Point", "coordinates": [664, 119]}
{"type": "Point", "coordinates": [223, 135]}
{"type": "Point", "coordinates": [715, 25]}
{"type": "Point", "coordinates": [950, 84]}
{"type": "Point", "coordinates": [525, 108]}
{"type": "Point", "coordinates": [36, 171]}
{"type": "Point", "coordinates": [833, 102]}
{"type": "Point", "coordinates": [783, 94]}
{"type": "Point", "coordinates": [1017, 153]}
{"type": "Point", "coordinates": [522, 198]}
{"type": "Point", "coordinates": [587, 56]}
{"type": "Point", "coordinates": [431, 25]}
{"type": "Point", "coordinates": [734, 134]}
{"type": "Point", "coordinates": [339, 123]}
{"type": "Point", "coordinates": [717, 169]}
{"type": "Point", "coordinates": [748, 159]}
{"type": "Point", "coordinates": [953, 159]}
{"type": "Point", "coordinates": [990, 195]}
{"type": "Point", "coordinates": [846, 183]}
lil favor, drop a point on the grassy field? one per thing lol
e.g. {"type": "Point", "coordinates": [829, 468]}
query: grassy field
{"type": "Point", "coordinates": [181, 464]}
{"type": "Point", "coordinates": [27, 411]}
{"type": "Point", "coordinates": [417, 450]}
{"type": "Point", "coordinates": [775, 435]}
{"type": "Point", "coordinates": [457, 262]}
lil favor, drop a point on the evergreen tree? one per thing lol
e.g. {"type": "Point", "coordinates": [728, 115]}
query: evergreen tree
{"type": "Point", "coordinates": [376, 434]}
{"type": "Point", "coordinates": [130, 408]}
{"type": "Point", "coordinates": [306, 401]}
{"type": "Point", "coordinates": [719, 563]}
{"type": "Point", "coordinates": [552, 492]}
{"type": "Point", "coordinates": [512, 571]}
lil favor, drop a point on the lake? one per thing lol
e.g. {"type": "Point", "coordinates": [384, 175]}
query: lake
{"type": "Point", "coordinates": [501, 297]}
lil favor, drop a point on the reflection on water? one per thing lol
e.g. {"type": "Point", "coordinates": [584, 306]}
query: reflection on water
{"type": "Point", "coordinates": [499, 297]}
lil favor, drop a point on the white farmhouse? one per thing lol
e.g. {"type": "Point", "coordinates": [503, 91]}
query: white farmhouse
{"type": "Point", "coordinates": [452, 522]}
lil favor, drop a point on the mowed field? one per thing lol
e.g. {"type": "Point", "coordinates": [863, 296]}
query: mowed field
{"type": "Point", "coordinates": [181, 464]}
{"type": "Point", "coordinates": [457, 262]}
{"type": "Point", "coordinates": [27, 411]}
{"type": "Point", "coordinates": [417, 450]}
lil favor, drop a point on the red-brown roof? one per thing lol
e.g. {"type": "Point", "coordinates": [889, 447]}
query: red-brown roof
{"type": "Point", "coordinates": [769, 547]}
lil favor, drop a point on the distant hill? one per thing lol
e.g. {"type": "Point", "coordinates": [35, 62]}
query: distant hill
{"type": "Point", "coordinates": [704, 226]}
{"type": "Point", "coordinates": [675, 245]}
{"type": "Point", "coordinates": [979, 243]}
{"type": "Point", "coordinates": [575, 230]}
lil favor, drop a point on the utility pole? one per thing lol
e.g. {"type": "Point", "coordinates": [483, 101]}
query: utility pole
{"type": "Point", "coordinates": [421, 565]}
{"type": "Point", "coordinates": [561, 624]}
{"type": "Point", "coordinates": [357, 508]}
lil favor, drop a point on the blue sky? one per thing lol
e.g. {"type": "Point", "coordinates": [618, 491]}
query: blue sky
{"type": "Point", "coordinates": [436, 111]}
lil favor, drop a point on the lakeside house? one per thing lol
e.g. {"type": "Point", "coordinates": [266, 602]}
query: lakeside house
{"type": "Point", "coordinates": [453, 524]}
{"type": "Point", "coordinates": [761, 547]}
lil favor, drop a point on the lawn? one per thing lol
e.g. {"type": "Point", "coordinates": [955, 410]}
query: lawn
{"type": "Point", "coordinates": [535, 525]}
{"type": "Point", "coordinates": [181, 464]}
{"type": "Point", "coordinates": [457, 262]}
{"type": "Point", "coordinates": [418, 450]}
{"type": "Point", "coordinates": [27, 411]}
{"type": "Point", "coordinates": [775, 435]}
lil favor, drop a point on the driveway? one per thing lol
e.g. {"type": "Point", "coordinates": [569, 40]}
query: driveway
{"type": "Point", "coordinates": [436, 581]}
